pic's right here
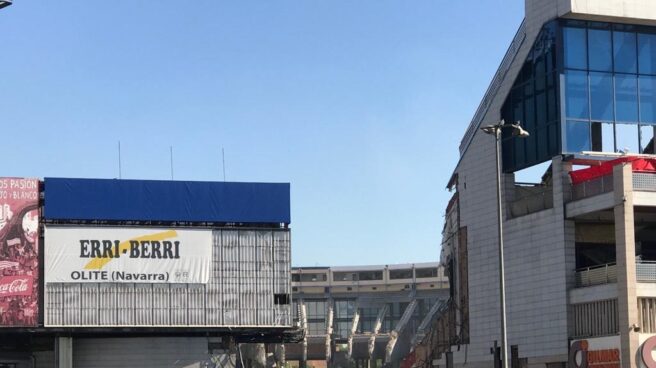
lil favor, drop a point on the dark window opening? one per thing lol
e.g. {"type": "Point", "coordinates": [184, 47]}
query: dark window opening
{"type": "Point", "coordinates": [281, 299]}
{"type": "Point", "coordinates": [400, 274]}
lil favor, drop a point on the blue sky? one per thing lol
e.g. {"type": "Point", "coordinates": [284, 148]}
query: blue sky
{"type": "Point", "coordinates": [360, 105]}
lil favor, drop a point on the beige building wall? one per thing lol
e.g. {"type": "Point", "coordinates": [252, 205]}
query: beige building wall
{"type": "Point", "coordinates": [631, 11]}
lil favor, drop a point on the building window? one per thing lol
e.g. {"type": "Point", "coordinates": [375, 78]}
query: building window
{"type": "Point", "coordinates": [613, 91]}
{"type": "Point", "coordinates": [576, 56]}
{"type": "Point", "coordinates": [533, 101]}
{"type": "Point", "coordinates": [370, 275]}
{"type": "Point", "coordinates": [426, 272]}
{"type": "Point", "coordinates": [400, 274]}
{"type": "Point", "coordinates": [345, 276]}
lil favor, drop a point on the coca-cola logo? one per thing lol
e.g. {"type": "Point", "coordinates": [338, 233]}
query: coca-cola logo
{"type": "Point", "coordinates": [15, 286]}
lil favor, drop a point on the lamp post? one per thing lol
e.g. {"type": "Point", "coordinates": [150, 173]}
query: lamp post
{"type": "Point", "coordinates": [4, 3]}
{"type": "Point", "coordinates": [517, 131]}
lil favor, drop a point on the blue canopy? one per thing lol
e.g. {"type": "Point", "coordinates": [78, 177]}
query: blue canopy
{"type": "Point", "coordinates": [155, 200]}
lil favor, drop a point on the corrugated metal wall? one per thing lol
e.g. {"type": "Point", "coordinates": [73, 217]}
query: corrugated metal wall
{"type": "Point", "coordinates": [174, 352]}
{"type": "Point", "coordinates": [249, 267]}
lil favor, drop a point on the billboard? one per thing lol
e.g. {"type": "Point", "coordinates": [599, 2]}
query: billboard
{"type": "Point", "coordinates": [127, 255]}
{"type": "Point", "coordinates": [19, 251]}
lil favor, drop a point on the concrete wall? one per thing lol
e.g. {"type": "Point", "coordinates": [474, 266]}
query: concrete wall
{"type": "Point", "coordinates": [622, 11]}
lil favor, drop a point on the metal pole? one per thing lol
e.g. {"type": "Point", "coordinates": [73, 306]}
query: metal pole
{"type": "Point", "coordinates": [502, 281]}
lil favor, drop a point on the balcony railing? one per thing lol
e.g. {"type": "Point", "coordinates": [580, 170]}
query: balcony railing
{"type": "Point", "coordinates": [593, 187]}
{"type": "Point", "coordinates": [646, 271]}
{"type": "Point", "coordinates": [644, 182]}
{"type": "Point", "coordinates": [596, 275]}
{"type": "Point", "coordinates": [607, 273]}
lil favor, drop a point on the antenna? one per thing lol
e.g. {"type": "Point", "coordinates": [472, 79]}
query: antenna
{"type": "Point", "coordinates": [223, 158]}
{"type": "Point", "coordinates": [171, 147]}
{"type": "Point", "coordinates": [119, 159]}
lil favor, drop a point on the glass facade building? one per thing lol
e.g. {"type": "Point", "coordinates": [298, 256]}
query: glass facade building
{"type": "Point", "coordinates": [585, 86]}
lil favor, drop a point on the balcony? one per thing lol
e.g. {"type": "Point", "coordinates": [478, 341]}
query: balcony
{"type": "Point", "coordinates": [607, 274]}
{"type": "Point", "coordinates": [597, 275]}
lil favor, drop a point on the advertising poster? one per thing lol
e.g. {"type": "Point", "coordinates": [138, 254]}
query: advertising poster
{"type": "Point", "coordinates": [127, 255]}
{"type": "Point", "coordinates": [19, 247]}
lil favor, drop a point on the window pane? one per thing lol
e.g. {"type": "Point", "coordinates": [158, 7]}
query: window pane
{"type": "Point", "coordinates": [575, 48]}
{"type": "Point", "coordinates": [626, 94]}
{"type": "Point", "coordinates": [601, 51]}
{"type": "Point", "coordinates": [576, 94]}
{"type": "Point", "coordinates": [578, 136]}
{"type": "Point", "coordinates": [625, 52]}
{"type": "Point", "coordinates": [648, 99]}
{"type": "Point", "coordinates": [601, 94]}
{"type": "Point", "coordinates": [647, 139]}
{"type": "Point", "coordinates": [603, 137]}
{"type": "Point", "coordinates": [647, 53]}
{"type": "Point", "coordinates": [607, 138]}
{"type": "Point", "coordinates": [627, 137]}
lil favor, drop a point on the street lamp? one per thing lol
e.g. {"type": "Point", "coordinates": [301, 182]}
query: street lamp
{"type": "Point", "coordinates": [517, 131]}
{"type": "Point", "coordinates": [4, 3]}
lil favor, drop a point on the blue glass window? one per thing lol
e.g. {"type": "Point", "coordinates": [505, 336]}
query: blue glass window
{"type": "Point", "coordinates": [647, 139]}
{"type": "Point", "coordinates": [647, 53]}
{"type": "Point", "coordinates": [647, 99]}
{"type": "Point", "coordinates": [600, 49]}
{"type": "Point", "coordinates": [624, 46]}
{"type": "Point", "coordinates": [601, 96]}
{"type": "Point", "coordinates": [576, 94]}
{"type": "Point", "coordinates": [576, 55]}
{"type": "Point", "coordinates": [626, 95]}
{"type": "Point", "coordinates": [626, 136]}
{"type": "Point", "coordinates": [608, 138]}
{"type": "Point", "coordinates": [578, 136]}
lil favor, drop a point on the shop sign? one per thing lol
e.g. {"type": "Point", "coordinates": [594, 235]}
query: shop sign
{"type": "Point", "coordinates": [127, 255]}
{"type": "Point", "coordinates": [595, 353]}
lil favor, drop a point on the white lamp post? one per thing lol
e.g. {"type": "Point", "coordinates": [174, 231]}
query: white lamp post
{"type": "Point", "coordinates": [517, 131]}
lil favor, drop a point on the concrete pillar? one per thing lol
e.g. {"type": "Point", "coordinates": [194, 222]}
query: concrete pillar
{"type": "Point", "coordinates": [64, 352]}
{"type": "Point", "coordinates": [627, 302]}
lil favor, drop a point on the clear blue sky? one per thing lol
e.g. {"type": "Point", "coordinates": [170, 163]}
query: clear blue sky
{"type": "Point", "coordinates": [360, 105]}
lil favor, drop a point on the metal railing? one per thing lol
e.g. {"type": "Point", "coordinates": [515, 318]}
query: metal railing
{"type": "Point", "coordinates": [593, 187]}
{"type": "Point", "coordinates": [596, 275]}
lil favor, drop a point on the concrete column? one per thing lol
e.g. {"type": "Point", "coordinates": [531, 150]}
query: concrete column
{"type": "Point", "coordinates": [64, 352]}
{"type": "Point", "coordinates": [627, 302]}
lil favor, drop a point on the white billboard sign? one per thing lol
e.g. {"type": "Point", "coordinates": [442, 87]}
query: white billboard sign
{"type": "Point", "coordinates": [128, 255]}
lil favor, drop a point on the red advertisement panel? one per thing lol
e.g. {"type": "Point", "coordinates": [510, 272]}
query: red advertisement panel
{"type": "Point", "coordinates": [19, 247]}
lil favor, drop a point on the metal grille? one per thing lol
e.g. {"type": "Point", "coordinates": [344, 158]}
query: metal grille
{"type": "Point", "coordinates": [595, 319]}
{"type": "Point", "coordinates": [644, 181]}
{"type": "Point", "coordinates": [646, 271]}
{"type": "Point", "coordinates": [249, 267]}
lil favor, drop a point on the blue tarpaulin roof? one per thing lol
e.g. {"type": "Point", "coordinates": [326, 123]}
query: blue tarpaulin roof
{"type": "Point", "coordinates": [154, 200]}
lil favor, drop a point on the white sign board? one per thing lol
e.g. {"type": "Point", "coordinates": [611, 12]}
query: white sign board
{"type": "Point", "coordinates": [129, 255]}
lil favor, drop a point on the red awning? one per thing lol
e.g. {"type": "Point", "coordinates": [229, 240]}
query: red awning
{"type": "Point", "coordinates": [606, 168]}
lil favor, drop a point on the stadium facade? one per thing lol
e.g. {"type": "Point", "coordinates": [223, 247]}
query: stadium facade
{"type": "Point", "coordinates": [364, 316]}
{"type": "Point", "coordinates": [579, 243]}
{"type": "Point", "coordinates": [133, 273]}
